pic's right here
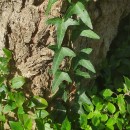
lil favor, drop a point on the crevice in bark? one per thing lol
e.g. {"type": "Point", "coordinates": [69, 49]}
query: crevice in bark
{"type": "Point", "coordinates": [23, 4]}
{"type": "Point", "coordinates": [38, 2]}
{"type": "Point", "coordinates": [44, 39]}
{"type": "Point", "coordinates": [7, 37]}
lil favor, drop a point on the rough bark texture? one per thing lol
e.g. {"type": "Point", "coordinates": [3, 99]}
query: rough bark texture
{"type": "Point", "coordinates": [24, 31]}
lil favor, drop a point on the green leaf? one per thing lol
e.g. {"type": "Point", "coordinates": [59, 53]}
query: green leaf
{"type": "Point", "coordinates": [26, 121]}
{"type": "Point", "coordinates": [59, 77]}
{"type": "Point", "coordinates": [90, 115]}
{"type": "Point", "coordinates": [66, 125]}
{"type": "Point", "coordinates": [42, 113]}
{"type": "Point", "coordinates": [8, 108]}
{"type": "Point", "coordinates": [96, 100]}
{"type": "Point", "coordinates": [7, 53]}
{"type": "Point", "coordinates": [107, 93]}
{"type": "Point", "coordinates": [20, 110]}
{"type": "Point", "coordinates": [83, 121]}
{"type": "Point", "coordinates": [88, 127]}
{"type": "Point", "coordinates": [83, 74]}
{"type": "Point", "coordinates": [80, 10]}
{"type": "Point", "coordinates": [128, 108]}
{"type": "Point", "coordinates": [89, 34]}
{"type": "Point", "coordinates": [50, 3]}
{"type": "Point", "coordinates": [65, 96]}
{"type": "Point", "coordinates": [2, 118]}
{"type": "Point", "coordinates": [96, 118]}
{"type": "Point", "coordinates": [111, 127]}
{"type": "Point", "coordinates": [15, 125]}
{"type": "Point", "coordinates": [88, 108]}
{"type": "Point", "coordinates": [83, 99]}
{"type": "Point", "coordinates": [104, 117]}
{"type": "Point", "coordinates": [47, 126]}
{"type": "Point", "coordinates": [86, 64]}
{"type": "Point", "coordinates": [87, 50]}
{"type": "Point", "coordinates": [121, 103]}
{"type": "Point", "coordinates": [19, 99]}
{"type": "Point", "coordinates": [40, 103]}
{"type": "Point", "coordinates": [119, 124]}
{"type": "Point", "coordinates": [111, 108]}
{"type": "Point", "coordinates": [61, 27]}
{"type": "Point", "coordinates": [127, 82]}
{"type": "Point", "coordinates": [111, 121]}
{"type": "Point", "coordinates": [17, 82]}
{"type": "Point", "coordinates": [99, 106]}
{"type": "Point", "coordinates": [59, 56]}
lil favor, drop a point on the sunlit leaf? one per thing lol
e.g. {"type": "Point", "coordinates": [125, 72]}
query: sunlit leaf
{"type": "Point", "coordinates": [15, 125]}
{"type": "Point", "coordinates": [89, 34]}
{"type": "Point", "coordinates": [107, 93]}
{"type": "Point", "coordinates": [83, 121]}
{"type": "Point", "coordinates": [40, 103]}
{"type": "Point", "coordinates": [111, 108]}
{"type": "Point", "coordinates": [87, 50]}
{"type": "Point", "coordinates": [66, 125]}
{"type": "Point", "coordinates": [80, 10]}
{"type": "Point", "coordinates": [42, 114]}
{"type": "Point", "coordinates": [121, 103]}
{"type": "Point", "coordinates": [17, 82]}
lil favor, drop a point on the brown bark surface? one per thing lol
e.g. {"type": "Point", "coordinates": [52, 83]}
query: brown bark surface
{"type": "Point", "coordinates": [23, 30]}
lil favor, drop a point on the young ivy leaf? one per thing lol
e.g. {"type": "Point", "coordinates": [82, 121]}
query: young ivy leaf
{"type": "Point", "coordinates": [86, 64]}
{"type": "Point", "coordinates": [61, 27]}
{"type": "Point", "coordinates": [80, 10]}
{"type": "Point", "coordinates": [66, 125]}
{"type": "Point", "coordinates": [89, 34]}
{"type": "Point", "coordinates": [87, 50]}
{"type": "Point", "coordinates": [83, 74]}
{"type": "Point", "coordinates": [59, 56]}
{"type": "Point", "coordinates": [59, 77]}
{"type": "Point", "coordinates": [50, 3]}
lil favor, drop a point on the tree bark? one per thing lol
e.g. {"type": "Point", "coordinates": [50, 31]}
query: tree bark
{"type": "Point", "coordinates": [24, 31]}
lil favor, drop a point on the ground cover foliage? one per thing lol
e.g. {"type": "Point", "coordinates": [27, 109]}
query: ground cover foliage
{"type": "Point", "coordinates": [70, 107]}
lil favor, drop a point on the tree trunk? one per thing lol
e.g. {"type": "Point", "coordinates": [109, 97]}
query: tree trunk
{"type": "Point", "coordinates": [24, 31]}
